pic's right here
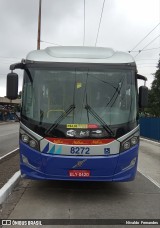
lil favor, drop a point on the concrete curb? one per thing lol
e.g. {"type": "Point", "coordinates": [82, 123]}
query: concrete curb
{"type": "Point", "coordinates": [6, 190]}
{"type": "Point", "coordinates": [150, 141]}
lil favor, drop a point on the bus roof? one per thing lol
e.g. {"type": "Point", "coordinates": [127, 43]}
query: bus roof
{"type": "Point", "coordinates": [80, 55]}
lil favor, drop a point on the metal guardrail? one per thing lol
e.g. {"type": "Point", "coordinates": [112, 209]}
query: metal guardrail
{"type": "Point", "coordinates": [150, 127]}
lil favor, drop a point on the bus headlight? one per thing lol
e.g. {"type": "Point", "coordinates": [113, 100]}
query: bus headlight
{"type": "Point", "coordinates": [25, 138]}
{"type": "Point", "coordinates": [29, 140]}
{"type": "Point", "coordinates": [127, 144]}
{"type": "Point", "coordinates": [134, 140]}
{"type": "Point", "coordinates": [32, 143]}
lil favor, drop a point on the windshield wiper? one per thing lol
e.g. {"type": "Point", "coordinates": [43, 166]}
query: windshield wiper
{"type": "Point", "coordinates": [99, 119]}
{"type": "Point", "coordinates": [60, 118]}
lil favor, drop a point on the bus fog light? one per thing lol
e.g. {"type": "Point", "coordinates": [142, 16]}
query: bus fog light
{"type": "Point", "coordinates": [126, 145]}
{"type": "Point", "coordinates": [25, 159]}
{"type": "Point", "coordinates": [134, 140]}
{"type": "Point", "coordinates": [131, 165]}
{"type": "Point", "coordinates": [32, 143]}
{"type": "Point", "coordinates": [25, 138]}
{"type": "Point", "coordinates": [133, 162]}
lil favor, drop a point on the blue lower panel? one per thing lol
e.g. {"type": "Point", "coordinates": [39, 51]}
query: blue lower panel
{"type": "Point", "coordinates": [36, 165]}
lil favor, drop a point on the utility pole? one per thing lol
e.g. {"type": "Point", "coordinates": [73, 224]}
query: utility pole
{"type": "Point", "coordinates": [39, 26]}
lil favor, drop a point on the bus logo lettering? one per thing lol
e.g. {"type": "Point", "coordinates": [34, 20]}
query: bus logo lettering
{"type": "Point", "coordinates": [79, 163]}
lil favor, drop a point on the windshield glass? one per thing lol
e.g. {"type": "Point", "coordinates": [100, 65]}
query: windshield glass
{"type": "Point", "coordinates": [111, 93]}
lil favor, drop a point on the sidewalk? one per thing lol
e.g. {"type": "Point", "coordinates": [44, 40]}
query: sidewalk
{"type": "Point", "coordinates": [155, 142]}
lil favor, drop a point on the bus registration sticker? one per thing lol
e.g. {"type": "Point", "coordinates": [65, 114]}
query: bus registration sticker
{"type": "Point", "coordinates": [84, 126]}
{"type": "Point", "coordinates": [79, 173]}
{"type": "Point", "coordinates": [77, 125]}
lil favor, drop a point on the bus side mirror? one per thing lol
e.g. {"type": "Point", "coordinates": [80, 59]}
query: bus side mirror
{"type": "Point", "coordinates": [143, 96]}
{"type": "Point", "coordinates": [12, 86]}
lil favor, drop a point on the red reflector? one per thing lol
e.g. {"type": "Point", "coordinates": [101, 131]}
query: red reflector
{"type": "Point", "coordinates": [79, 173]}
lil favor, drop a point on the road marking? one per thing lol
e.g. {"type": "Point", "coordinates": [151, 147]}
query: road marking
{"type": "Point", "coordinates": [149, 178]}
{"type": "Point", "coordinates": [9, 153]}
{"type": "Point", "coordinates": [6, 190]}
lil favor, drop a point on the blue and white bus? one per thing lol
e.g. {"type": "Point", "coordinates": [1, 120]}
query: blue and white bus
{"type": "Point", "coordinates": [79, 115]}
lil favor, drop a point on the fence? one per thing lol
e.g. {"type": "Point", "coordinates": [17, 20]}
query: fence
{"type": "Point", "coordinates": [6, 115]}
{"type": "Point", "coordinates": [150, 127]}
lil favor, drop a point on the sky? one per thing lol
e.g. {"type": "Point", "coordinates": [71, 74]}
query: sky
{"type": "Point", "coordinates": [124, 23]}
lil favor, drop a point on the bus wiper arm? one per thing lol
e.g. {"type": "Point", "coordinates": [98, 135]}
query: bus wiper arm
{"type": "Point", "coordinates": [60, 118]}
{"type": "Point", "coordinates": [99, 119]}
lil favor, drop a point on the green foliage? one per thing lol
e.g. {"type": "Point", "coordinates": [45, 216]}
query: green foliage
{"type": "Point", "coordinates": [154, 95]}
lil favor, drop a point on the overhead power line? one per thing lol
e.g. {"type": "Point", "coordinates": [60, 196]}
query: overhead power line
{"type": "Point", "coordinates": [151, 49]}
{"type": "Point", "coordinates": [99, 23]}
{"type": "Point", "coordinates": [50, 43]}
{"type": "Point", "coordinates": [7, 57]}
{"type": "Point", "coordinates": [147, 49]}
{"type": "Point", "coordinates": [146, 46]}
{"type": "Point", "coordinates": [5, 63]}
{"type": "Point", "coordinates": [145, 37]}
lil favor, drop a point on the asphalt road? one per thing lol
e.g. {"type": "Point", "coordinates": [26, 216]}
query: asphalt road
{"type": "Point", "coordinates": [149, 160]}
{"type": "Point", "coordinates": [139, 199]}
{"type": "Point", "coordinates": [8, 137]}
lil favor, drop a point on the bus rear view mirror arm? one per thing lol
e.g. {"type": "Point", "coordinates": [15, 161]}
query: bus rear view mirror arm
{"type": "Point", "coordinates": [17, 66]}
{"type": "Point", "coordinates": [141, 77]}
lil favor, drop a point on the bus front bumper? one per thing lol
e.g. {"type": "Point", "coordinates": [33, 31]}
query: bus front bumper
{"type": "Point", "coordinates": [119, 167]}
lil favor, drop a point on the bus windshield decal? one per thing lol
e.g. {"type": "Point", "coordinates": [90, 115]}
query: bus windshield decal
{"type": "Point", "coordinates": [82, 126]}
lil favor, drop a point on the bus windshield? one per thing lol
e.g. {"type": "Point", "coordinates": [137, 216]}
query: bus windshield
{"type": "Point", "coordinates": [110, 93]}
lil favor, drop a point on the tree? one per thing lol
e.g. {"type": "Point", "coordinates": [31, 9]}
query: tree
{"type": "Point", "coordinates": [154, 94]}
